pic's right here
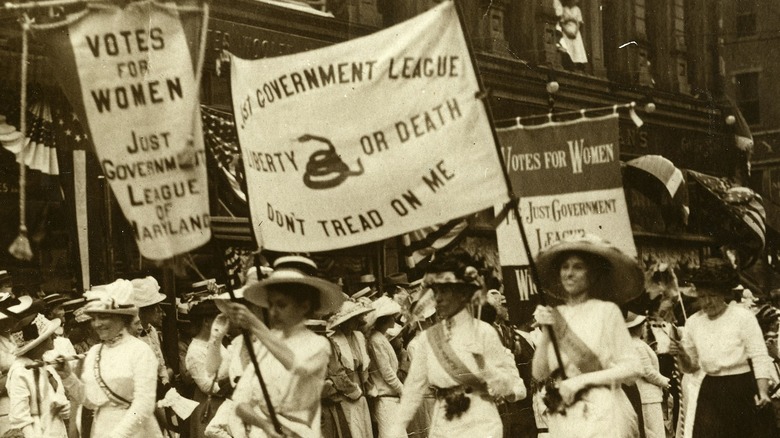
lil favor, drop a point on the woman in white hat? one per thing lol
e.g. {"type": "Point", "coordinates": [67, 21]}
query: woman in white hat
{"type": "Point", "coordinates": [652, 383]}
{"type": "Point", "coordinates": [292, 358]}
{"type": "Point", "coordinates": [461, 357]}
{"type": "Point", "coordinates": [119, 377]}
{"type": "Point", "coordinates": [347, 383]}
{"type": "Point", "coordinates": [383, 370]}
{"type": "Point", "coordinates": [39, 406]}
{"type": "Point", "coordinates": [10, 319]}
{"type": "Point", "coordinates": [147, 297]}
{"type": "Point", "coordinates": [589, 276]}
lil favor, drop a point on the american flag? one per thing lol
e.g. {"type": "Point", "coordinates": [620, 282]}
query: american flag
{"type": "Point", "coordinates": [420, 245]}
{"type": "Point", "coordinates": [219, 134]}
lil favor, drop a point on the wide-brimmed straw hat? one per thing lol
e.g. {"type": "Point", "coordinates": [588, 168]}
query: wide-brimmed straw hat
{"type": "Point", "coordinates": [54, 300]}
{"type": "Point", "coordinates": [31, 335]}
{"type": "Point", "coordinates": [111, 299]}
{"type": "Point", "coordinates": [16, 306]}
{"type": "Point", "coordinates": [365, 292]}
{"type": "Point", "coordinates": [623, 282]}
{"type": "Point", "coordinates": [348, 310]}
{"type": "Point", "coordinates": [633, 320]}
{"type": "Point", "coordinates": [146, 292]}
{"type": "Point", "coordinates": [382, 306]}
{"type": "Point", "coordinates": [715, 273]}
{"type": "Point", "coordinates": [297, 270]}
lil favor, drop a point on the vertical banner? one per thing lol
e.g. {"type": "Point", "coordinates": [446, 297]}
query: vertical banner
{"type": "Point", "coordinates": [569, 181]}
{"type": "Point", "coordinates": [366, 139]}
{"type": "Point", "coordinates": [136, 87]}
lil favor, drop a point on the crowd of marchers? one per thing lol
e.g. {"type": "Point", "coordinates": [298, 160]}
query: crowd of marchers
{"type": "Point", "coordinates": [290, 354]}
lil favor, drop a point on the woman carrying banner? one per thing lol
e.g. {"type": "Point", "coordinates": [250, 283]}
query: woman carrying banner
{"type": "Point", "coordinates": [461, 357]}
{"type": "Point", "coordinates": [292, 358]}
{"type": "Point", "coordinates": [120, 373]}
{"type": "Point", "coordinates": [725, 341]}
{"type": "Point", "coordinates": [595, 347]}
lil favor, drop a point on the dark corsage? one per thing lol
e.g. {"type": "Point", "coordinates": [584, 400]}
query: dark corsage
{"type": "Point", "coordinates": [456, 403]}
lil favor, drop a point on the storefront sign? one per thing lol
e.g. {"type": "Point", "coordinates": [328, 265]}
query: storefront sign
{"type": "Point", "coordinates": [252, 42]}
{"type": "Point", "coordinates": [135, 84]}
{"type": "Point", "coordinates": [367, 139]}
{"type": "Point", "coordinates": [568, 178]}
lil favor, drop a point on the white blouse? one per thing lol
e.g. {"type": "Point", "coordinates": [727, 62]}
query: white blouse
{"type": "Point", "coordinates": [295, 393]}
{"type": "Point", "coordinates": [470, 338]}
{"type": "Point", "coordinates": [722, 346]}
{"type": "Point", "coordinates": [196, 366]}
{"type": "Point", "coordinates": [129, 369]}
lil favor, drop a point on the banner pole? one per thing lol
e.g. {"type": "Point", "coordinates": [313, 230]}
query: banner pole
{"type": "Point", "coordinates": [513, 198]}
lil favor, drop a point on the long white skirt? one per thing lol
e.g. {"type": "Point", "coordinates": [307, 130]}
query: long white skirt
{"type": "Point", "coordinates": [385, 410]}
{"type": "Point", "coordinates": [480, 420]}
{"type": "Point", "coordinates": [600, 413]}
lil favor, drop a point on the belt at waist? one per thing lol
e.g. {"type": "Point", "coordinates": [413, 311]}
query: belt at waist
{"type": "Point", "coordinates": [731, 371]}
{"type": "Point", "coordinates": [443, 393]}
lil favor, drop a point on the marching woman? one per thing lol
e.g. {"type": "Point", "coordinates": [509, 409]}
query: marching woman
{"type": "Point", "coordinates": [292, 359]}
{"type": "Point", "coordinates": [461, 357]}
{"type": "Point", "coordinates": [39, 406]}
{"type": "Point", "coordinates": [725, 341]}
{"type": "Point", "coordinates": [383, 370]}
{"type": "Point", "coordinates": [347, 382]}
{"type": "Point", "coordinates": [589, 276]}
{"type": "Point", "coordinates": [120, 373]}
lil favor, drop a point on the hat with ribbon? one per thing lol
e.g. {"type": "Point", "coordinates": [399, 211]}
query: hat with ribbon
{"type": "Point", "coordinates": [367, 279]}
{"type": "Point", "coordinates": [365, 292]}
{"type": "Point", "coordinates": [382, 306]}
{"type": "Point", "coordinates": [622, 281]}
{"type": "Point", "coordinates": [349, 309]}
{"type": "Point", "coordinates": [54, 300]}
{"type": "Point", "coordinates": [14, 307]}
{"type": "Point", "coordinates": [146, 292]}
{"type": "Point", "coordinates": [34, 333]}
{"type": "Point", "coordinates": [633, 320]}
{"type": "Point", "coordinates": [111, 299]}
{"type": "Point", "coordinates": [292, 270]}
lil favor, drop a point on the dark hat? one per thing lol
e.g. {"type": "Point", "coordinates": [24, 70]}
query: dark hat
{"type": "Point", "coordinates": [716, 272]}
{"type": "Point", "coordinates": [397, 279]}
{"type": "Point", "coordinates": [204, 308]}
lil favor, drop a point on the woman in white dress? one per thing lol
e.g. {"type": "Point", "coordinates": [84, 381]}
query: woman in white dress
{"type": "Point", "coordinates": [462, 358]}
{"type": "Point", "coordinates": [39, 406]}
{"type": "Point", "coordinates": [292, 359]}
{"type": "Point", "coordinates": [119, 377]}
{"type": "Point", "coordinates": [589, 276]}
{"type": "Point", "coordinates": [383, 370]}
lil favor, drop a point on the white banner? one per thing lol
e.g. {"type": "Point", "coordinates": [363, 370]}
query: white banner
{"type": "Point", "coordinates": [367, 139]}
{"type": "Point", "coordinates": [139, 94]}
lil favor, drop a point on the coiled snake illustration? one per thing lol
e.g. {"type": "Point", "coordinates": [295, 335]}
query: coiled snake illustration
{"type": "Point", "coordinates": [325, 169]}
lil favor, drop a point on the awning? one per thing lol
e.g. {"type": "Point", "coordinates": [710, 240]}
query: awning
{"type": "Point", "coordinates": [657, 178]}
{"type": "Point", "coordinates": [735, 213]}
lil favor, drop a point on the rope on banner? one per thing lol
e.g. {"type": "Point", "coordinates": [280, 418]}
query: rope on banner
{"type": "Point", "coordinates": [631, 106]}
{"type": "Point", "coordinates": [20, 247]}
{"type": "Point", "coordinates": [47, 4]}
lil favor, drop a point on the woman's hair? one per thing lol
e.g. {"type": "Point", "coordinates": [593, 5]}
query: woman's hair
{"type": "Point", "coordinates": [383, 320]}
{"type": "Point", "coordinates": [300, 294]}
{"type": "Point", "coordinates": [636, 330]}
